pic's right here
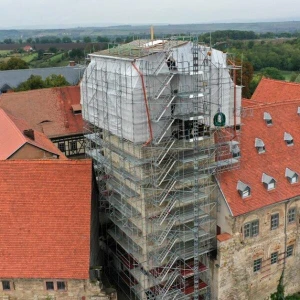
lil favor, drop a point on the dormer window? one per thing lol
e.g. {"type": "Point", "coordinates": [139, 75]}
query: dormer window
{"type": "Point", "coordinates": [268, 119]}
{"type": "Point", "coordinates": [288, 139]}
{"type": "Point", "coordinates": [291, 176]}
{"type": "Point", "coordinates": [268, 181]}
{"type": "Point", "coordinates": [236, 152]}
{"type": "Point", "coordinates": [77, 109]}
{"type": "Point", "coordinates": [298, 111]}
{"type": "Point", "coordinates": [243, 189]}
{"type": "Point", "coordinates": [260, 146]}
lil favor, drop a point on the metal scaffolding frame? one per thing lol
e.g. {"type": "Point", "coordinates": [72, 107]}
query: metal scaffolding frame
{"type": "Point", "coordinates": [160, 196]}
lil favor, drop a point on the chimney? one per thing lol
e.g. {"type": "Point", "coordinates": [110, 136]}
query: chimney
{"type": "Point", "coordinates": [29, 133]}
{"type": "Point", "coordinates": [72, 63]}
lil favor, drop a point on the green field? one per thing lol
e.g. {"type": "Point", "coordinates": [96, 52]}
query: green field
{"type": "Point", "coordinates": [56, 58]}
{"type": "Point", "coordinates": [4, 52]}
{"type": "Point", "coordinates": [28, 58]}
{"type": "Point", "coordinates": [287, 75]}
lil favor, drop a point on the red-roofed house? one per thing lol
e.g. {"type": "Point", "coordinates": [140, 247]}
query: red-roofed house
{"type": "Point", "coordinates": [271, 90]}
{"type": "Point", "coordinates": [56, 112]}
{"type": "Point", "coordinates": [19, 141]}
{"type": "Point", "coordinates": [261, 202]}
{"type": "Point", "coordinates": [49, 229]}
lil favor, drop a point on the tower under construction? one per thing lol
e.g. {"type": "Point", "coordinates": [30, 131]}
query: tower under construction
{"type": "Point", "coordinates": [162, 121]}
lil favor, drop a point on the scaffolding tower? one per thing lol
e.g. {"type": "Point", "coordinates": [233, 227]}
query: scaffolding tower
{"type": "Point", "coordinates": [154, 113]}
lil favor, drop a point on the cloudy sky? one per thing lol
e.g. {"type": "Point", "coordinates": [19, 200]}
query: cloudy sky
{"type": "Point", "coordinates": [57, 13]}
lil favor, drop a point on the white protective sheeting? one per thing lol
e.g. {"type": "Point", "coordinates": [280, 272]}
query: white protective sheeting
{"type": "Point", "coordinates": [113, 97]}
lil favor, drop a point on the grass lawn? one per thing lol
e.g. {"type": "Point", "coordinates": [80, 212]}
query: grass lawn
{"type": "Point", "coordinates": [287, 75]}
{"type": "Point", "coordinates": [4, 52]}
{"type": "Point", "coordinates": [56, 57]}
{"type": "Point", "coordinates": [29, 57]}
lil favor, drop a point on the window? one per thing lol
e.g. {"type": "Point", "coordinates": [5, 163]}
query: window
{"type": "Point", "coordinates": [289, 250]}
{"type": "Point", "coordinates": [61, 146]}
{"type": "Point", "coordinates": [73, 145]}
{"type": "Point", "coordinates": [271, 185]}
{"type": "Point", "coordinates": [274, 258]}
{"type": "Point", "coordinates": [251, 229]}
{"type": "Point", "coordinates": [269, 122]}
{"type": "Point", "coordinates": [246, 193]}
{"type": "Point", "coordinates": [49, 285]}
{"type": "Point", "coordinates": [257, 265]}
{"type": "Point", "coordinates": [6, 285]}
{"type": "Point", "coordinates": [56, 285]}
{"type": "Point", "coordinates": [274, 221]}
{"type": "Point", "coordinates": [292, 215]}
{"type": "Point", "coordinates": [235, 149]}
{"type": "Point", "coordinates": [61, 286]}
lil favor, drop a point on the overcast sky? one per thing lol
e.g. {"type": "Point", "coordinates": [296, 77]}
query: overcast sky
{"type": "Point", "coordinates": [54, 13]}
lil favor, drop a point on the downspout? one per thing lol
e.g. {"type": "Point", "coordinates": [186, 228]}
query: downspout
{"type": "Point", "coordinates": [146, 103]}
{"type": "Point", "coordinates": [285, 235]}
{"type": "Point", "coordinates": [234, 101]}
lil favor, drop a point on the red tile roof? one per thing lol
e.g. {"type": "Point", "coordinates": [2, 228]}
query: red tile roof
{"type": "Point", "coordinates": [270, 90]}
{"type": "Point", "coordinates": [47, 110]}
{"type": "Point", "coordinates": [45, 219]}
{"type": "Point", "coordinates": [274, 161]}
{"type": "Point", "coordinates": [12, 137]}
{"type": "Point", "coordinates": [224, 237]}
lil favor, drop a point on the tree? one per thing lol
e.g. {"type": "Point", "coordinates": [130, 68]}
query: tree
{"type": "Point", "coordinates": [294, 77]}
{"type": "Point", "coordinates": [119, 40]}
{"type": "Point", "coordinates": [87, 39]}
{"type": "Point", "coordinates": [279, 294]}
{"type": "Point", "coordinates": [36, 82]}
{"type": "Point", "coordinates": [244, 76]}
{"type": "Point", "coordinates": [103, 39]}
{"type": "Point", "coordinates": [53, 50]}
{"type": "Point", "coordinates": [14, 63]}
{"type": "Point", "coordinates": [76, 54]}
{"type": "Point", "coordinates": [273, 73]}
{"type": "Point", "coordinates": [250, 44]}
{"type": "Point", "coordinates": [66, 39]}
{"type": "Point", "coordinates": [29, 40]}
{"type": "Point", "coordinates": [40, 54]}
{"type": "Point", "coordinates": [55, 81]}
{"type": "Point", "coordinates": [8, 41]}
{"type": "Point", "coordinates": [32, 83]}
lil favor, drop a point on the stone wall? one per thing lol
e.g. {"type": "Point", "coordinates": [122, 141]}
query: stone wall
{"type": "Point", "coordinates": [233, 273]}
{"type": "Point", "coordinates": [35, 289]}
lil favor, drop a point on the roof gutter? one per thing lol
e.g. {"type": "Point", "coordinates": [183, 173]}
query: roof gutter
{"type": "Point", "coordinates": [112, 57]}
